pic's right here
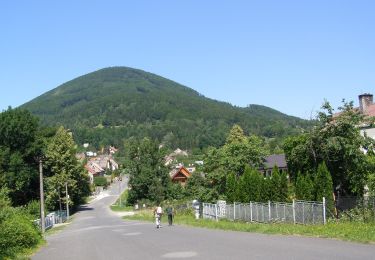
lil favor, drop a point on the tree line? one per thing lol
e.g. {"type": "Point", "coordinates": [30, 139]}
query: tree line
{"type": "Point", "coordinates": [329, 159]}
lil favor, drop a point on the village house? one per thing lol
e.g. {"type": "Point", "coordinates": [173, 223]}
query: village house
{"type": "Point", "coordinates": [97, 166]}
{"type": "Point", "coordinates": [270, 162]}
{"type": "Point", "coordinates": [94, 170]}
{"type": "Point", "coordinates": [171, 158]}
{"type": "Point", "coordinates": [180, 175]}
{"type": "Point", "coordinates": [367, 108]}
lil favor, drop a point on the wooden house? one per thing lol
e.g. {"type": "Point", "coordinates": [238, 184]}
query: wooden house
{"type": "Point", "coordinates": [180, 175]}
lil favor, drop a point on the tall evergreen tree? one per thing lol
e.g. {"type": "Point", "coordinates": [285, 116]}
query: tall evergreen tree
{"type": "Point", "coordinates": [275, 185]}
{"type": "Point", "coordinates": [284, 187]}
{"type": "Point", "coordinates": [324, 185]}
{"type": "Point", "coordinates": [231, 188]}
{"type": "Point", "coordinates": [245, 185]}
{"type": "Point", "coordinates": [304, 188]}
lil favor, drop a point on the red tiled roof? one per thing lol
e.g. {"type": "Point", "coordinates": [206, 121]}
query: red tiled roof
{"type": "Point", "coordinates": [182, 170]}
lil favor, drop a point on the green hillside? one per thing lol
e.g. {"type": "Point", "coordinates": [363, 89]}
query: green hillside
{"type": "Point", "coordinates": [112, 104]}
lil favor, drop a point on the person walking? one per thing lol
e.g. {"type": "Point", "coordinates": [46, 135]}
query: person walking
{"type": "Point", "coordinates": [158, 212]}
{"type": "Point", "coordinates": [170, 213]}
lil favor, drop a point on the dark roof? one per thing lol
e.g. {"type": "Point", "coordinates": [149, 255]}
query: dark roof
{"type": "Point", "coordinates": [275, 159]}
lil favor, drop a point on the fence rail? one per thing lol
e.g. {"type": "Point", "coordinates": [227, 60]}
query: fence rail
{"type": "Point", "coordinates": [298, 212]}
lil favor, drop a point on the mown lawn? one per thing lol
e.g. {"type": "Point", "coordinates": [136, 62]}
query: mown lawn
{"type": "Point", "coordinates": [349, 231]}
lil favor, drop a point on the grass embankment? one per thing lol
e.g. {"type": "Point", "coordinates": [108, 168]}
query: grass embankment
{"type": "Point", "coordinates": [349, 231]}
{"type": "Point", "coordinates": [119, 207]}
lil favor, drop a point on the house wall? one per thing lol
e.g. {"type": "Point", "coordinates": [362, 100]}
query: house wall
{"type": "Point", "coordinates": [369, 131]}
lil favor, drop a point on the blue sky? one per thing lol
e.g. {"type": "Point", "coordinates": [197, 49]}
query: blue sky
{"type": "Point", "coordinates": [288, 55]}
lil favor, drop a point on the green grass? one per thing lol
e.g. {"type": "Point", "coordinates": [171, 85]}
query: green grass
{"type": "Point", "coordinates": [123, 207]}
{"type": "Point", "coordinates": [349, 231]}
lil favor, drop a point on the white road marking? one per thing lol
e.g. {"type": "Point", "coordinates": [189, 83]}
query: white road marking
{"type": "Point", "coordinates": [187, 254]}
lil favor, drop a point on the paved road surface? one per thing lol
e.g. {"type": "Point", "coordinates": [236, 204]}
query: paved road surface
{"type": "Point", "coordinates": [97, 233]}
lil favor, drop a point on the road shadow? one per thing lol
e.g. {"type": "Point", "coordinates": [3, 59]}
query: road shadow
{"type": "Point", "coordinates": [85, 208]}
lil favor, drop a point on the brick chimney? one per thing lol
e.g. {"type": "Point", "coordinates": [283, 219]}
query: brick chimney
{"type": "Point", "coordinates": [365, 100]}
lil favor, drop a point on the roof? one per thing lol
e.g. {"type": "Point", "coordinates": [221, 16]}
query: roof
{"type": "Point", "coordinates": [275, 159]}
{"type": "Point", "coordinates": [181, 170]}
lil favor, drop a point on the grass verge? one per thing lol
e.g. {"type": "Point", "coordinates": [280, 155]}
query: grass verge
{"type": "Point", "coordinates": [348, 231]}
{"type": "Point", "coordinates": [120, 208]}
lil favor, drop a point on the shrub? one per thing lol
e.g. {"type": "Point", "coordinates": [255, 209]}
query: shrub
{"type": "Point", "coordinates": [33, 209]}
{"type": "Point", "coordinates": [17, 233]}
{"type": "Point", "coordinates": [100, 181]}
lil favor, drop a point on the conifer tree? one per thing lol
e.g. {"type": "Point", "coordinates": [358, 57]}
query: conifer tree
{"type": "Point", "coordinates": [231, 188]}
{"type": "Point", "coordinates": [283, 187]}
{"type": "Point", "coordinates": [265, 189]}
{"type": "Point", "coordinates": [323, 185]}
{"type": "Point", "coordinates": [304, 187]}
{"type": "Point", "coordinates": [275, 185]}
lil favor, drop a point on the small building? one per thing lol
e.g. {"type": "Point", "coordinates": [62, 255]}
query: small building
{"type": "Point", "coordinates": [367, 108]}
{"type": "Point", "coordinates": [271, 161]}
{"type": "Point", "coordinates": [180, 175]}
{"type": "Point", "coordinates": [94, 170]}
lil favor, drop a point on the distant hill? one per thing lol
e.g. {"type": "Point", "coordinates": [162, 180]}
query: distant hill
{"type": "Point", "coordinates": [112, 104]}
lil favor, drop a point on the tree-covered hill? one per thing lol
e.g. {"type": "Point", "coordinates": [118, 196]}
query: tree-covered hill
{"type": "Point", "coordinates": [112, 104]}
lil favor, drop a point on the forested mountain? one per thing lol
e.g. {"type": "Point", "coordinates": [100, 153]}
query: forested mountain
{"type": "Point", "coordinates": [113, 104]}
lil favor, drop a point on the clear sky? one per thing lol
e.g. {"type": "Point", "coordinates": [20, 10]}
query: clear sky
{"type": "Point", "coordinates": [288, 55]}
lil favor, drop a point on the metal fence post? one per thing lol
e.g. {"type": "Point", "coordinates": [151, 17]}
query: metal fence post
{"type": "Point", "coordinates": [263, 212]}
{"type": "Point", "coordinates": [251, 211]}
{"type": "Point", "coordinates": [324, 210]}
{"type": "Point", "coordinates": [216, 217]}
{"type": "Point", "coordinates": [303, 212]}
{"type": "Point", "coordinates": [294, 211]}
{"type": "Point", "coordinates": [269, 211]}
{"type": "Point", "coordinates": [313, 212]}
{"type": "Point", "coordinates": [234, 211]}
{"type": "Point", "coordinates": [277, 210]}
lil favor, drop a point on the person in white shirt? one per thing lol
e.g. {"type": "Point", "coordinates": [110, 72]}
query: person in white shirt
{"type": "Point", "coordinates": [158, 212]}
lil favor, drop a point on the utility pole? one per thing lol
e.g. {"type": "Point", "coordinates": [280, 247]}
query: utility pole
{"type": "Point", "coordinates": [60, 212]}
{"type": "Point", "coordinates": [119, 187]}
{"type": "Point", "coordinates": [42, 218]}
{"type": "Point", "coordinates": [67, 200]}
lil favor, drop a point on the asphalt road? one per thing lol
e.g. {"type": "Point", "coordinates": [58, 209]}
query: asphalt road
{"type": "Point", "coordinates": [97, 233]}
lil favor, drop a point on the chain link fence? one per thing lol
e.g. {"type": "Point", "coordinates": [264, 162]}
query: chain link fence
{"type": "Point", "coordinates": [355, 208]}
{"type": "Point", "coordinates": [298, 212]}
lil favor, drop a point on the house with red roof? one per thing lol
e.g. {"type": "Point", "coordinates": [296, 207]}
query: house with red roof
{"type": "Point", "coordinates": [367, 108]}
{"type": "Point", "coordinates": [180, 175]}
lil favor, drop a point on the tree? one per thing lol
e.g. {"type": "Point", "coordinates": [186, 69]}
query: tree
{"type": "Point", "coordinates": [284, 187]}
{"type": "Point", "coordinates": [323, 185]}
{"type": "Point", "coordinates": [63, 167]}
{"type": "Point", "coordinates": [19, 147]}
{"type": "Point", "coordinates": [304, 188]}
{"type": "Point", "coordinates": [149, 178]}
{"type": "Point", "coordinates": [197, 188]}
{"type": "Point", "coordinates": [336, 140]}
{"type": "Point", "coordinates": [245, 185]}
{"type": "Point", "coordinates": [236, 135]}
{"type": "Point", "coordinates": [231, 188]}
{"type": "Point", "coordinates": [275, 184]}
{"type": "Point", "coordinates": [238, 153]}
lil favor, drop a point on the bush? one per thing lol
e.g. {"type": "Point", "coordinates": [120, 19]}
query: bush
{"type": "Point", "coordinates": [100, 181]}
{"type": "Point", "coordinates": [32, 209]}
{"type": "Point", "coordinates": [17, 233]}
